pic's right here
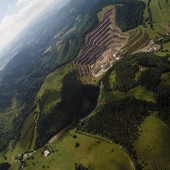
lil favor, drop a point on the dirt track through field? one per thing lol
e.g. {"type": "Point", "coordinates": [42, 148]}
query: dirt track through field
{"type": "Point", "coordinates": [152, 149]}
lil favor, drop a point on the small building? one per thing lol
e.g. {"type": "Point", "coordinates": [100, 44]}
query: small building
{"type": "Point", "coordinates": [46, 153]}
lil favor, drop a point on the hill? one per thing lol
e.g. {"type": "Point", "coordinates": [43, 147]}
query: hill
{"type": "Point", "coordinates": [42, 53]}
{"type": "Point", "coordinates": [71, 110]}
{"type": "Point", "coordinates": [125, 108]}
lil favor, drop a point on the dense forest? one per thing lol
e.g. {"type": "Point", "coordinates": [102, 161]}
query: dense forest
{"type": "Point", "coordinates": [77, 100]}
{"type": "Point", "coordinates": [149, 19]}
{"type": "Point", "coordinates": [118, 115]}
{"type": "Point", "coordinates": [4, 166]}
{"type": "Point", "coordinates": [127, 18]}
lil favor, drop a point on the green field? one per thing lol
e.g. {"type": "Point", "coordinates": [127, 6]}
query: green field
{"type": "Point", "coordinates": [97, 153]}
{"type": "Point", "coordinates": [165, 51]}
{"type": "Point", "coordinates": [26, 142]}
{"type": "Point", "coordinates": [28, 134]}
{"type": "Point", "coordinates": [53, 83]}
{"type": "Point", "coordinates": [51, 88]}
{"type": "Point", "coordinates": [152, 145]}
{"type": "Point", "coordinates": [92, 153]}
{"type": "Point", "coordinates": [160, 17]}
{"type": "Point", "coordinates": [101, 14]}
{"type": "Point", "coordinates": [139, 92]}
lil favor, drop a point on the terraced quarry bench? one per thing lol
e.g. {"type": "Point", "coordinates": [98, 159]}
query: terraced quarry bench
{"type": "Point", "coordinates": [107, 44]}
{"type": "Point", "coordinates": [101, 48]}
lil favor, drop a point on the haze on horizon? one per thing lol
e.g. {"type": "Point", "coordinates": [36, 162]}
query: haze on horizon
{"type": "Point", "coordinates": [15, 15]}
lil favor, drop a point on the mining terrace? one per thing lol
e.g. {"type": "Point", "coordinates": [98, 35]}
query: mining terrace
{"type": "Point", "coordinates": [102, 47]}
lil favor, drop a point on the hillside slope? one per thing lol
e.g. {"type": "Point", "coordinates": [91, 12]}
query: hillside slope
{"type": "Point", "coordinates": [115, 119]}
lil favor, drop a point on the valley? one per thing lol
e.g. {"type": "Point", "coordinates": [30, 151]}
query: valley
{"type": "Point", "coordinates": [97, 96]}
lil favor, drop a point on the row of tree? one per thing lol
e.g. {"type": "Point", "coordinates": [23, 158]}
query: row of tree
{"type": "Point", "coordinates": [127, 18]}
{"type": "Point", "coordinates": [150, 14]}
{"type": "Point", "coordinates": [120, 120]}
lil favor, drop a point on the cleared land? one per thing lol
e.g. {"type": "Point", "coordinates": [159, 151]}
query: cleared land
{"type": "Point", "coordinates": [152, 145]}
{"type": "Point", "coordinates": [51, 88]}
{"type": "Point", "coordinates": [102, 46]}
{"type": "Point", "coordinates": [139, 41]}
{"type": "Point", "coordinates": [139, 92]}
{"type": "Point", "coordinates": [153, 142]}
{"type": "Point", "coordinates": [26, 142]}
{"type": "Point", "coordinates": [165, 51]}
{"type": "Point", "coordinates": [50, 91]}
{"type": "Point", "coordinates": [28, 135]}
{"type": "Point", "coordinates": [161, 19]}
{"type": "Point", "coordinates": [93, 153]}
{"type": "Point", "coordinates": [107, 43]}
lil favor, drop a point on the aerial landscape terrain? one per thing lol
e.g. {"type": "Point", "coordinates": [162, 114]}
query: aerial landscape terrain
{"type": "Point", "coordinates": [86, 86]}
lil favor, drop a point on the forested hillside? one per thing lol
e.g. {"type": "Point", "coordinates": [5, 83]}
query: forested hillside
{"type": "Point", "coordinates": [51, 116]}
{"type": "Point", "coordinates": [124, 108]}
{"type": "Point", "coordinates": [24, 75]}
{"type": "Point", "coordinates": [82, 100]}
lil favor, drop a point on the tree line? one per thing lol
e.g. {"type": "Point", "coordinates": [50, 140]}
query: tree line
{"type": "Point", "coordinates": [77, 100]}
{"type": "Point", "coordinates": [120, 120]}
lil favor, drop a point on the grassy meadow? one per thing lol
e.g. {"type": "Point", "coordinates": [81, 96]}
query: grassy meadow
{"type": "Point", "coordinates": [160, 17]}
{"type": "Point", "coordinates": [152, 146]}
{"type": "Point", "coordinates": [92, 153]}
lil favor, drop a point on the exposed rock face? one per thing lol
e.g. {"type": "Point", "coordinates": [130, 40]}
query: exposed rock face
{"type": "Point", "coordinates": [102, 47]}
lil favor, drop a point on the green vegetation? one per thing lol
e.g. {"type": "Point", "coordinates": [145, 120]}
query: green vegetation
{"type": "Point", "coordinates": [123, 119]}
{"type": "Point", "coordinates": [8, 117]}
{"type": "Point", "coordinates": [152, 145]}
{"type": "Point", "coordinates": [50, 90]}
{"type": "Point", "coordinates": [139, 72]}
{"type": "Point", "coordinates": [92, 153]}
{"type": "Point", "coordinates": [125, 80]}
{"type": "Point", "coordinates": [28, 134]}
{"type": "Point", "coordinates": [139, 92]}
{"type": "Point", "coordinates": [165, 51]}
{"type": "Point", "coordinates": [156, 18]}
{"type": "Point", "coordinates": [166, 78]}
{"type": "Point", "coordinates": [24, 75]}
{"type": "Point", "coordinates": [127, 18]}
{"type": "Point", "coordinates": [64, 82]}
{"type": "Point", "coordinates": [73, 101]}
{"type": "Point", "coordinates": [86, 79]}
{"type": "Point", "coordinates": [132, 89]}
{"type": "Point", "coordinates": [80, 167]}
{"type": "Point", "coordinates": [129, 124]}
{"type": "Point", "coordinates": [53, 82]}
{"type": "Point", "coordinates": [101, 14]}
